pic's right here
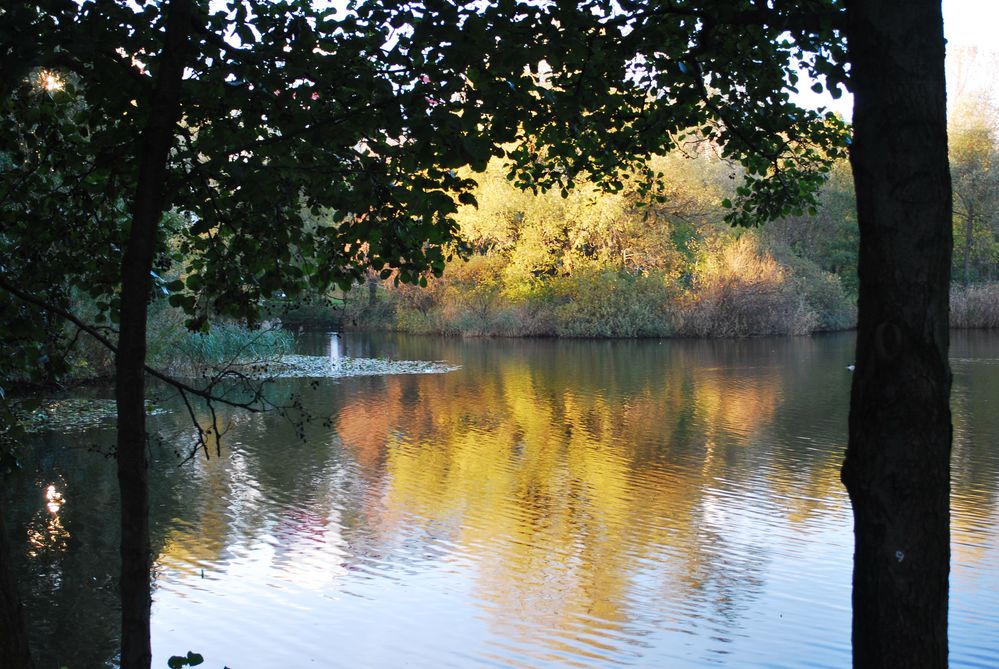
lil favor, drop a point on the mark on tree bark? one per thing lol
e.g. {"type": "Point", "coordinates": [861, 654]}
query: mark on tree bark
{"type": "Point", "coordinates": [888, 341]}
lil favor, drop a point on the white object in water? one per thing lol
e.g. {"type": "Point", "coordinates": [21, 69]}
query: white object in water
{"type": "Point", "coordinates": [334, 349]}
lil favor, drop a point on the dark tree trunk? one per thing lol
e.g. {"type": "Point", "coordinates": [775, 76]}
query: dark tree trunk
{"type": "Point", "coordinates": [14, 653]}
{"type": "Point", "coordinates": [133, 463]}
{"type": "Point", "coordinates": [897, 467]}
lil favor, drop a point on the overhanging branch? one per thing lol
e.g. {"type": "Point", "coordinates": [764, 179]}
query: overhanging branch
{"type": "Point", "coordinates": [187, 389]}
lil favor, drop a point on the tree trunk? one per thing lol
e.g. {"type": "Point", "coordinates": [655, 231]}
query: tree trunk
{"type": "Point", "coordinates": [133, 463]}
{"type": "Point", "coordinates": [969, 233]}
{"type": "Point", "coordinates": [14, 653]}
{"type": "Point", "coordinates": [897, 467]}
{"type": "Point", "coordinates": [372, 281]}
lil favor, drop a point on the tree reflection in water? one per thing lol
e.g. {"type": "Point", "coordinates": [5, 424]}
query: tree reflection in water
{"type": "Point", "coordinates": [574, 503]}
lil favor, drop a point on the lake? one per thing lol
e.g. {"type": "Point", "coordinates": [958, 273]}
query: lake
{"type": "Point", "coordinates": [550, 504]}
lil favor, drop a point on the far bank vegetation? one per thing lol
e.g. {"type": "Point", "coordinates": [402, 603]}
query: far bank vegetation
{"type": "Point", "coordinates": [593, 264]}
{"type": "Point", "coordinates": [596, 264]}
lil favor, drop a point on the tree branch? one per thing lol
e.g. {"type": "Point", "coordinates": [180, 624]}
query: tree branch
{"type": "Point", "coordinates": [252, 405]}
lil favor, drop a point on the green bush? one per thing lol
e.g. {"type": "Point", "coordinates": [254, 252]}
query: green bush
{"type": "Point", "coordinates": [594, 264]}
{"type": "Point", "coordinates": [310, 314]}
{"type": "Point", "coordinates": [733, 289]}
{"type": "Point", "coordinates": [475, 298]}
{"type": "Point", "coordinates": [596, 303]}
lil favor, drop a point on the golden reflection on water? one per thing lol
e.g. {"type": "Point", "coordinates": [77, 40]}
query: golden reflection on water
{"type": "Point", "coordinates": [974, 512]}
{"type": "Point", "coordinates": [578, 502]}
{"type": "Point", "coordinates": [46, 533]}
{"type": "Point", "coordinates": [188, 546]}
{"type": "Point", "coordinates": [561, 495]}
{"type": "Point", "coordinates": [54, 498]}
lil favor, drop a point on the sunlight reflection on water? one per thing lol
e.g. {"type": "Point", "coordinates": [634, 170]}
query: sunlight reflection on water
{"type": "Point", "coordinates": [551, 504]}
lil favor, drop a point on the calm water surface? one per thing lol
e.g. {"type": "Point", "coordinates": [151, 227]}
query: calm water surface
{"type": "Point", "coordinates": [551, 504]}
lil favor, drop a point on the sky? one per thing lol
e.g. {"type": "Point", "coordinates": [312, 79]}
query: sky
{"type": "Point", "coordinates": [967, 23]}
{"type": "Point", "coordinates": [971, 22]}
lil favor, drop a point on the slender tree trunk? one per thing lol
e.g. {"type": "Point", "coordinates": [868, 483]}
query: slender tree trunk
{"type": "Point", "coordinates": [897, 467]}
{"type": "Point", "coordinates": [133, 463]}
{"type": "Point", "coordinates": [372, 281]}
{"type": "Point", "coordinates": [14, 653]}
{"type": "Point", "coordinates": [969, 232]}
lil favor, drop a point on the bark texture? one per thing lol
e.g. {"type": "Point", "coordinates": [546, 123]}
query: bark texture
{"type": "Point", "coordinates": [897, 467]}
{"type": "Point", "coordinates": [133, 461]}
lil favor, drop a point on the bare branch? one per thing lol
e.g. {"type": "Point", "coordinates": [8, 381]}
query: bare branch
{"type": "Point", "coordinates": [254, 405]}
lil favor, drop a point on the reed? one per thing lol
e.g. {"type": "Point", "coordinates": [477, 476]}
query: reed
{"type": "Point", "coordinates": [976, 306]}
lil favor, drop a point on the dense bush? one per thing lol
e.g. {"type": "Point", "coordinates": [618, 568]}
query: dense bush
{"type": "Point", "coordinates": [468, 300]}
{"type": "Point", "coordinates": [823, 291]}
{"type": "Point", "coordinates": [318, 313]}
{"type": "Point", "coordinates": [72, 356]}
{"type": "Point", "coordinates": [173, 348]}
{"type": "Point", "coordinates": [616, 265]}
{"type": "Point", "coordinates": [739, 291]}
{"type": "Point", "coordinates": [476, 298]}
{"type": "Point", "coordinates": [734, 289]}
{"type": "Point", "coordinates": [603, 303]}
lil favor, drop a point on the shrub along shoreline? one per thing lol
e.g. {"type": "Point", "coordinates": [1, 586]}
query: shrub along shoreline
{"type": "Point", "coordinates": [617, 305]}
{"type": "Point", "coordinates": [641, 261]}
{"type": "Point", "coordinates": [739, 291]}
{"type": "Point", "coordinates": [745, 294]}
{"type": "Point", "coordinates": [171, 348]}
{"type": "Point", "coordinates": [975, 306]}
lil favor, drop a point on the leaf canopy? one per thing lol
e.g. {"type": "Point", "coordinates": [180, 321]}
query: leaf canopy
{"type": "Point", "coordinates": [316, 141]}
